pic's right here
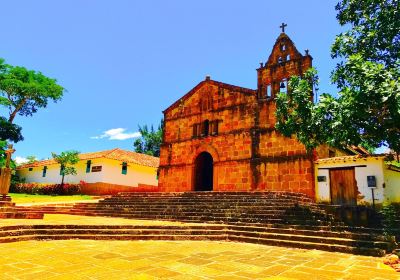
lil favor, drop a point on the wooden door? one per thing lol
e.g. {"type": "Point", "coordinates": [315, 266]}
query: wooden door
{"type": "Point", "coordinates": [343, 186]}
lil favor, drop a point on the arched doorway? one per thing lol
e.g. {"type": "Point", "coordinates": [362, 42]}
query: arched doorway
{"type": "Point", "coordinates": [203, 172]}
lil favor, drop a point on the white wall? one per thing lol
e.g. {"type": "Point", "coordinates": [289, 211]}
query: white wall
{"type": "Point", "coordinates": [374, 166]}
{"type": "Point", "coordinates": [392, 190]}
{"type": "Point", "coordinates": [53, 174]}
{"type": "Point", "coordinates": [323, 189]}
{"type": "Point", "coordinates": [136, 174]}
{"type": "Point", "coordinates": [111, 173]}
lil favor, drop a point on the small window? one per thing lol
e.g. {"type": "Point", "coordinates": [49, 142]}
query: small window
{"type": "Point", "coordinates": [321, 178]}
{"type": "Point", "coordinates": [283, 47]}
{"type": "Point", "coordinates": [44, 171]}
{"type": "Point", "coordinates": [206, 125]}
{"type": "Point", "coordinates": [30, 168]}
{"type": "Point", "coordinates": [288, 57]}
{"type": "Point", "coordinates": [124, 168]}
{"type": "Point", "coordinates": [283, 86]}
{"type": "Point", "coordinates": [269, 91]}
{"type": "Point", "coordinates": [88, 165]}
{"type": "Point", "coordinates": [215, 128]}
{"type": "Point", "coordinates": [280, 60]}
{"type": "Point", "coordinates": [195, 130]}
{"type": "Point", "coordinates": [96, 168]}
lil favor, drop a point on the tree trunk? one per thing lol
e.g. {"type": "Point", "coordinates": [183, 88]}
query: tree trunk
{"type": "Point", "coordinates": [17, 108]}
{"type": "Point", "coordinates": [62, 180]}
{"type": "Point", "coordinates": [12, 116]}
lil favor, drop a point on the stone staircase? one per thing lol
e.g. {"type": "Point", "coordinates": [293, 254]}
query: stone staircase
{"type": "Point", "coordinates": [8, 210]}
{"type": "Point", "coordinates": [307, 239]}
{"type": "Point", "coordinates": [273, 218]}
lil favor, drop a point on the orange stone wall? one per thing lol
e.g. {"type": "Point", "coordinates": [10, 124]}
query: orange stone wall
{"type": "Point", "coordinates": [248, 154]}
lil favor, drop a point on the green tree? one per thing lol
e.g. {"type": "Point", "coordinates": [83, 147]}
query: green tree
{"type": "Point", "coordinates": [10, 131]}
{"type": "Point", "coordinates": [366, 110]}
{"type": "Point", "coordinates": [150, 140]}
{"type": "Point", "coordinates": [23, 91]}
{"type": "Point", "coordinates": [31, 159]}
{"type": "Point", "coordinates": [67, 160]}
{"type": "Point", "coordinates": [3, 146]}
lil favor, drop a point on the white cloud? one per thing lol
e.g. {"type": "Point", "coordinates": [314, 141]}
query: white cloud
{"type": "Point", "coordinates": [20, 160]}
{"type": "Point", "coordinates": [117, 134]}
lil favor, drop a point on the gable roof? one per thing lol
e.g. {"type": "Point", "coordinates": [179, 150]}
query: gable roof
{"type": "Point", "coordinates": [286, 38]}
{"type": "Point", "coordinates": [116, 154]}
{"type": "Point", "coordinates": [212, 82]}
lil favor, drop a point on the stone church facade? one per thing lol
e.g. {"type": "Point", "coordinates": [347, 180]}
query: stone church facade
{"type": "Point", "coordinates": [222, 137]}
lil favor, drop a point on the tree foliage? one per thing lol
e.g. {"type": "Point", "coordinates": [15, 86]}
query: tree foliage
{"type": "Point", "coordinates": [23, 91]}
{"type": "Point", "coordinates": [31, 159]}
{"type": "Point", "coordinates": [150, 140]}
{"type": "Point", "coordinates": [3, 146]}
{"type": "Point", "coordinates": [67, 160]}
{"type": "Point", "coordinates": [374, 33]}
{"type": "Point", "coordinates": [297, 114]}
{"type": "Point", "coordinates": [366, 110]}
{"type": "Point", "coordinates": [10, 131]}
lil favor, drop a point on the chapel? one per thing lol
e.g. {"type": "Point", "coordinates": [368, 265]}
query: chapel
{"type": "Point", "coordinates": [222, 137]}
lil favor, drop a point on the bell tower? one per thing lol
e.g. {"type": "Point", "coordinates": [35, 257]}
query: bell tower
{"type": "Point", "coordinates": [284, 61]}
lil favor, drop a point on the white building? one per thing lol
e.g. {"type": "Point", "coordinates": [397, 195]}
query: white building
{"type": "Point", "coordinates": [105, 172]}
{"type": "Point", "coordinates": [356, 180]}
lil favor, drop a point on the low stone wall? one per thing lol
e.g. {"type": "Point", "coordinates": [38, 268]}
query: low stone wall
{"type": "Point", "coordinates": [109, 189]}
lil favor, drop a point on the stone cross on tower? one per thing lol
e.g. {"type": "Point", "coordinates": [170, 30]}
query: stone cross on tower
{"type": "Point", "coordinates": [283, 27]}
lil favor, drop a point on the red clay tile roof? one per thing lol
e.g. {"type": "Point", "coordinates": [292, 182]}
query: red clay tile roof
{"type": "Point", "coordinates": [116, 154]}
{"type": "Point", "coordinates": [347, 158]}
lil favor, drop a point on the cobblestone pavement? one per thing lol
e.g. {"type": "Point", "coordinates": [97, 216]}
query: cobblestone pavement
{"type": "Point", "coordinates": [88, 259]}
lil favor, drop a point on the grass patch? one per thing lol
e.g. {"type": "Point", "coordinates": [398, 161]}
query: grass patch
{"type": "Point", "coordinates": [32, 198]}
{"type": "Point", "coordinates": [395, 163]}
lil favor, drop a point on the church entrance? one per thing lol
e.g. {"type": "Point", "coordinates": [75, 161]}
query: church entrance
{"type": "Point", "coordinates": [203, 172]}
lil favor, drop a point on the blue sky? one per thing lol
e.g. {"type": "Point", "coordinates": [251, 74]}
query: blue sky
{"type": "Point", "coordinates": [123, 62]}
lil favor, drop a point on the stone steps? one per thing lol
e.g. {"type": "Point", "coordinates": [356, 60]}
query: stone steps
{"type": "Point", "coordinates": [315, 231]}
{"type": "Point", "coordinates": [187, 212]}
{"type": "Point", "coordinates": [8, 210]}
{"type": "Point", "coordinates": [265, 236]}
{"type": "Point", "coordinates": [266, 233]}
{"type": "Point", "coordinates": [200, 198]}
{"type": "Point", "coordinates": [274, 218]}
{"type": "Point", "coordinates": [247, 208]}
{"type": "Point", "coordinates": [192, 216]}
{"type": "Point", "coordinates": [21, 215]}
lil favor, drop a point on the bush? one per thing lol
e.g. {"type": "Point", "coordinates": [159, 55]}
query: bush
{"type": "Point", "coordinates": [46, 189]}
{"type": "Point", "coordinates": [390, 219]}
{"type": "Point", "coordinates": [15, 180]}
